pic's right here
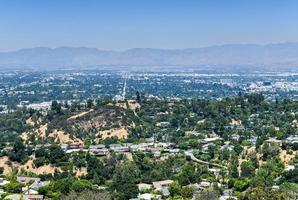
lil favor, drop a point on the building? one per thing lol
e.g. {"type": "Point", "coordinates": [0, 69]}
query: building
{"type": "Point", "coordinates": [163, 186]}
{"type": "Point", "coordinates": [148, 196]}
{"type": "Point", "coordinates": [210, 140]}
{"type": "Point", "coordinates": [25, 180]}
{"type": "Point", "coordinates": [33, 197]}
{"type": "Point", "coordinates": [292, 139]}
{"type": "Point", "coordinates": [118, 148]}
{"type": "Point", "coordinates": [24, 197]}
{"type": "Point", "coordinates": [64, 147]}
{"type": "Point", "coordinates": [162, 124]}
{"type": "Point", "coordinates": [3, 181]}
{"type": "Point", "coordinates": [99, 152]}
{"type": "Point", "coordinates": [99, 146]}
{"type": "Point", "coordinates": [144, 186]}
{"type": "Point", "coordinates": [75, 145]}
{"type": "Point", "coordinates": [273, 140]}
{"type": "Point", "coordinates": [289, 167]}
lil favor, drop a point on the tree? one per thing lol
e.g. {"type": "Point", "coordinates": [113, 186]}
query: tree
{"type": "Point", "coordinates": [270, 151]}
{"type": "Point", "coordinates": [292, 175]}
{"type": "Point", "coordinates": [175, 189]}
{"type": "Point", "coordinates": [234, 166]}
{"type": "Point", "coordinates": [241, 184]}
{"type": "Point", "coordinates": [209, 194]}
{"type": "Point", "coordinates": [254, 159]}
{"type": "Point", "coordinates": [13, 187]}
{"type": "Point", "coordinates": [187, 192]}
{"type": "Point", "coordinates": [80, 185]}
{"type": "Point", "coordinates": [1, 170]}
{"type": "Point", "coordinates": [57, 155]}
{"type": "Point", "coordinates": [18, 152]}
{"type": "Point", "coordinates": [267, 173]}
{"type": "Point", "coordinates": [95, 170]}
{"type": "Point", "coordinates": [138, 97]}
{"type": "Point", "coordinates": [124, 180]}
{"type": "Point", "coordinates": [247, 169]}
{"type": "Point", "coordinates": [56, 107]}
{"type": "Point", "coordinates": [263, 193]}
{"type": "Point", "coordinates": [188, 174]}
{"type": "Point", "coordinates": [255, 99]}
{"type": "Point", "coordinates": [87, 194]}
{"type": "Point", "coordinates": [89, 103]}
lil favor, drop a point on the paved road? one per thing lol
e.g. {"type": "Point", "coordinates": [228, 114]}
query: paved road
{"type": "Point", "coordinates": [192, 157]}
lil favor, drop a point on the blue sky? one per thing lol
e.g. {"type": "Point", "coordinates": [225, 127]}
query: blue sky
{"type": "Point", "coordinates": [123, 24]}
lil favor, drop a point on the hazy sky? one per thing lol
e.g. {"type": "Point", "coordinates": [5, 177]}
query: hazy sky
{"type": "Point", "coordinates": [123, 24]}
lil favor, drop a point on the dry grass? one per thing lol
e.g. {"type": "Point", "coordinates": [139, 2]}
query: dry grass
{"type": "Point", "coordinates": [80, 114]}
{"type": "Point", "coordinates": [120, 133]}
{"type": "Point", "coordinates": [29, 167]}
{"type": "Point", "coordinates": [133, 105]}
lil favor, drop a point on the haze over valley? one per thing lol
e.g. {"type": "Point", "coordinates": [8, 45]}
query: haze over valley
{"type": "Point", "coordinates": [283, 56]}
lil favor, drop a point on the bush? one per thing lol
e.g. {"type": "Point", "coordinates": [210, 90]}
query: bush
{"type": "Point", "coordinates": [241, 184]}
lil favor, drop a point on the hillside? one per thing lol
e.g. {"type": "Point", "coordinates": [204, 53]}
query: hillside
{"type": "Point", "coordinates": [247, 56]}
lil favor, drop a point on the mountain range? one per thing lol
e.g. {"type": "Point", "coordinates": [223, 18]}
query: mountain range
{"type": "Point", "coordinates": [270, 56]}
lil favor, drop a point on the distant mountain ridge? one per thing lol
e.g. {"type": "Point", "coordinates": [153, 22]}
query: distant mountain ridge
{"type": "Point", "coordinates": [275, 56]}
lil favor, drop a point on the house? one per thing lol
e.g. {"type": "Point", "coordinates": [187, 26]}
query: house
{"type": "Point", "coordinates": [14, 197]}
{"type": "Point", "coordinates": [37, 185]}
{"type": "Point", "coordinates": [75, 150]}
{"type": "Point", "coordinates": [113, 146]}
{"type": "Point", "coordinates": [33, 197]}
{"type": "Point", "coordinates": [118, 148]}
{"type": "Point", "coordinates": [144, 186]}
{"type": "Point", "coordinates": [227, 146]}
{"type": "Point", "coordinates": [162, 124]}
{"type": "Point", "coordinates": [205, 147]}
{"type": "Point", "coordinates": [173, 151]}
{"type": "Point", "coordinates": [99, 146]}
{"type": "Point", "coordinates": [252, 140]}
{"type": "Point", "coordinates": [161, 184]}
{"type": "Point", "coordinates": [39, 146]}
{"type": "Point", "coordinates": [148, 196]}
{"type": "Point", "coordinates": [273, 140]}
{"type": "Point", "coordinates": [210, 140]}
{"type": "Point", "coordinates": [127, 144]}
{"type": "Point", "coordinates": [215, 171]}
{"type": "Point", "coordinates": [190, 133]}
{"type": "Point", "coordinates": [289, 167]}
{"type": "Point", "coordinates": [24, 197]}
{"type": "Point", "coordinates": [235, 137]}
{"type": "Point", "coordinates": [64, 147]}
{"type": "Point", "coordinates": [205, 184]}
{"type": "Point", "coordinates": [34, 187]}
{"type": "Point", "coordinates": [141, 146]}
{"type": "Point", "coordinates": [224, 197]}
{"type": "Point", "coordinates": [22, 179]}
{"type": "Point", "coordinates": [28, 190]}
{"type": "Point", "coordinates": [75, 145]}
{"type": "Point", "coordinates": [3, 181]}
{"type": "Point", "coordinates": [153, 149]}
{"type": "Point", "coordinates": [151, 139]}
{"type": "Point", "coordinates": [99, 152]}
{"type": "Point", "coordinates": [292, 139]}
{"type": "Point", "coordinates": [275, 187]}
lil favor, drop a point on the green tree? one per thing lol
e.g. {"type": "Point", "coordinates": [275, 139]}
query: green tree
{"type": "Point", "coordinates": [87, 194]}
{"type": "Point", "coordinates": [175, 189]}
{"type": "Point", "coordinates": [124, 180]}
{"type": "Point", "coordinates": [247, 169]}
{"type": "Point", "coordinates": [89, 103]}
